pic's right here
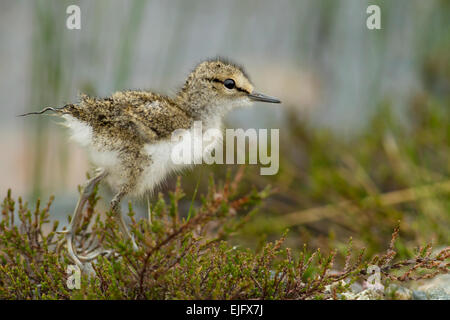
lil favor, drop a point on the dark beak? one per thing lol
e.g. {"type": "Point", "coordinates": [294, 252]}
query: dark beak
{"type": "Point", "coordinates": [262, 97]}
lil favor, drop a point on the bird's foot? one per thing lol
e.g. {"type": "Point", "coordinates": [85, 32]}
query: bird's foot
{"type": "Point", "coordinates": [133, 243]}
{"type": "Point", "coordinates": [83, 261]}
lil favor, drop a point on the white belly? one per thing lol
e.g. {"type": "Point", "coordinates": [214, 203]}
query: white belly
{"type": "Point", "coordinates": [160, 153]}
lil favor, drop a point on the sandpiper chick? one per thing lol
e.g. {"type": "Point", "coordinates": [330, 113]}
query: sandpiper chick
{"type": "Point", "coordinates": [128, 135]}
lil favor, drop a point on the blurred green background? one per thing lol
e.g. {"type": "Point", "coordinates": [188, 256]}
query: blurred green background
{"type": "Point", "coordinates": [364, 124]}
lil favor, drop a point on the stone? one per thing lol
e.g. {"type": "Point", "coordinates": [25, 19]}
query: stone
{"type": "Point", "coordinates": [396, 292]}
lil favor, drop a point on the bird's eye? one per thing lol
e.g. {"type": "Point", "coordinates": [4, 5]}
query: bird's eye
{"type": "Point", "coordinates": [229, 83]}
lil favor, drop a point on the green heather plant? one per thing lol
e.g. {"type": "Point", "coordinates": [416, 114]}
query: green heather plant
{"type": "Point", "coordinates": [185, 255]}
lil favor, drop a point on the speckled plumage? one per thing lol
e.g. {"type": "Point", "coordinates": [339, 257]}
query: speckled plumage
{"type": "Point", "coordinates": [133, 116]}
{"type": "Point", "coordinates": [121, 126]}
{"type": "Point", "coordinates": [128, 135]}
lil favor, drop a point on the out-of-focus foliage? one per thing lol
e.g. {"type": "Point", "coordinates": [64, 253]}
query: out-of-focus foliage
{"type": "Point", "coordinates": [330, 188]}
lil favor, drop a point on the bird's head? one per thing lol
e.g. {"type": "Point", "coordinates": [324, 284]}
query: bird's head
{"type": "Point", "coordinates": [218, 86]}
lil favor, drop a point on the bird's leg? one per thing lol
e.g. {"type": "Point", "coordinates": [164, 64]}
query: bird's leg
{"type": "Point", "coordinates": [117, 212]}
{"type": "Point", "coordinates": [77, 216]}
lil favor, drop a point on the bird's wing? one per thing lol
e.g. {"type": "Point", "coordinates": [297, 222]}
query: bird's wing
{"type": "Point", "coordinates": [133, 115]}
{"type": "Point", "coordinates": [160, 117]}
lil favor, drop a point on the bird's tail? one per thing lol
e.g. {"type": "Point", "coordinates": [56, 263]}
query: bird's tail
{"type": "Point", "coordinates": [59, 110]}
